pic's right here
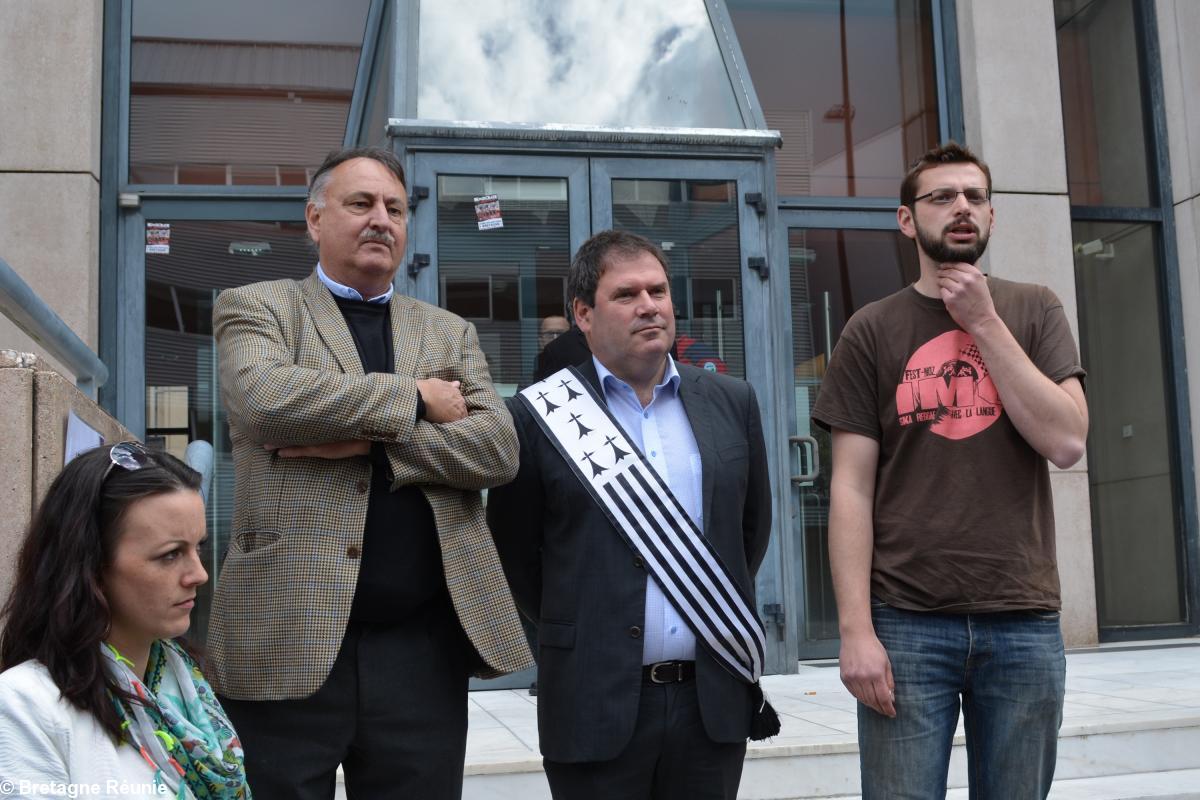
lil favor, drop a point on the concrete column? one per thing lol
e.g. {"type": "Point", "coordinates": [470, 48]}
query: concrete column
{"type": "Point", "coordinates": [1013, 116]}
{"type": "Point", "coordinates": [50, 57]}
{"type": "Point", "coordinates": [16, 453]}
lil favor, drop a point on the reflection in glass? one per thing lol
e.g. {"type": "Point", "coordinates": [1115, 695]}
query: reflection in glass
{"type": "Point", "coordinates": [833, 274]}
{"type": "Point", "coordinates": [850, 85]}
{"type": "Point", "coordinates": [182, 394]}
{"type": "Point", "coordinates": [504, 277]}
{"type": "Point", "coordinates": [696, 224]}
{"type": "Point", "coordinates": [373, 131]}
{"type": "Point", "coordinates": [623, 62]}
{"type": "Point", "coordinates": [1130, 471]}
{"type": "Point", "coordinates": [220, 96]}
{"type": "Point", "coordinates": [1103, 112]}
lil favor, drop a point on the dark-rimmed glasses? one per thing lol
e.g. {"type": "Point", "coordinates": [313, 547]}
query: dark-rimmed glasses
{"type": "Point", "coordinates": [129, 456]}
{"type": "Point", "coordinates": [975, 195]}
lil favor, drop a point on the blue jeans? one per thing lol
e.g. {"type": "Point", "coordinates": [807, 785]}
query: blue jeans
{"type": "Point", "coordinates": [1008, 670]}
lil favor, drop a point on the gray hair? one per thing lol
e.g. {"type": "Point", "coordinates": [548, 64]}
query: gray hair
{"type": "Point", "coordinates": [321, 178]}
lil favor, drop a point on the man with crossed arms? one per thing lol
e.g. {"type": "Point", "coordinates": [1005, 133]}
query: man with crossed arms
{"type": "Point", "coordinates": [630, 704]}
{"type": "Point", "coordinates": [361, 587]}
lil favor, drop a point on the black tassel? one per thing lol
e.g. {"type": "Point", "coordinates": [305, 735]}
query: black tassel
{"type": "Point", "coordinates": [764, 722]}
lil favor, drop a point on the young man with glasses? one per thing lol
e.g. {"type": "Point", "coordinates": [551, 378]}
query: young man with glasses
{"type": "Point", "coordinates": [946, 401]}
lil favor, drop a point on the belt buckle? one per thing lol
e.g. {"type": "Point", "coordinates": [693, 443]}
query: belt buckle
{"type": "Point", "coordinates": [678, 672]}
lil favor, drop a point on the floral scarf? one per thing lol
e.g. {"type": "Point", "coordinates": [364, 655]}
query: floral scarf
{"type": "Point", "coordinates": [179, 727]}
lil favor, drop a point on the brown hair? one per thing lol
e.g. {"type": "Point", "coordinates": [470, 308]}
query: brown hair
{"type": "Point", "coordinates": [590, 261]}
{"type": "Point", "coordinates": [950, 152]}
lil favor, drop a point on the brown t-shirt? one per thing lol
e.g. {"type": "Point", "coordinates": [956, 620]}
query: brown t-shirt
{"type": "Point", "coordinates": [963, 516]}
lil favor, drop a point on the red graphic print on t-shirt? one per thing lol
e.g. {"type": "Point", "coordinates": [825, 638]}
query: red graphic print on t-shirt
{"type": "Point", "coordinates": [947, 385]}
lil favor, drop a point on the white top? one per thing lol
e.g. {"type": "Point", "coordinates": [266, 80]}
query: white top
{"type": "Point", "coordinates": [49, 748]}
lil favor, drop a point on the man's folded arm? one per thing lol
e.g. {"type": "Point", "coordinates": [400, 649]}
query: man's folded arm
{"type": "Point", "coordinates": [275, 401]}
{"type": "Point", "coordinates": [476, 452]}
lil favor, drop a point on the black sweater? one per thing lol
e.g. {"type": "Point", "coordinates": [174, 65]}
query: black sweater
{"type": "Point", "coordinates": [401, 566]}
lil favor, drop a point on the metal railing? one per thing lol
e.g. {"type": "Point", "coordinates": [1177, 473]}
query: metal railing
{"type": "Point", "coordinates": [22, 305]}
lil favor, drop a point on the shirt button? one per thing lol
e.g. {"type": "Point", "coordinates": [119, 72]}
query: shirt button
{"type": "Point", "coordinates": [653, 453]}
{"type": "Point", "coordinates": [674, 629]}
{"type": "Point", "coordinates": [646, 414]}
{"type": "Point", "coordinates": [363, 486]}
{"type": "Point", "coordinates": [353, 552]}
{"type": "Point", "coordinates": [635, 632]}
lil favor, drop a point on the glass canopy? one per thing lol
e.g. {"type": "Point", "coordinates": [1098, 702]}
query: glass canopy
{"type": "Point", "coordinates": [620, 63]}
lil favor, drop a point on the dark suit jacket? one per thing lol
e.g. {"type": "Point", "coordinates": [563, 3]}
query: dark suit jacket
{"type": "Point", "coordinates": [573, 574]}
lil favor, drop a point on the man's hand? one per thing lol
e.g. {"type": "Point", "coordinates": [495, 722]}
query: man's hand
{"type": "Point", "coordinates": [965, 292]}
{"type": "Point", "coordinates": [346, 449]}
{"type": "Point", "coordinates": [443, 401]}
{"type": "Point", "coordinates": [867, 672]}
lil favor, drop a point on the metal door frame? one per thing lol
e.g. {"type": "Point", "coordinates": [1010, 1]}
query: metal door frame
{"type": "Point", "coordinates": [788, 219]}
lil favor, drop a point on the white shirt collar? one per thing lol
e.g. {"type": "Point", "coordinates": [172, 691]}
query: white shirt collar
{"type": "Point", "coordinates": [350, 293]}
{"type": "Point", "coordinates": [670, 376]}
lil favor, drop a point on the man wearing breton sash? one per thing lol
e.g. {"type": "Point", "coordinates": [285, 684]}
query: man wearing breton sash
{"type": "Point", "coordinates": [631, 535]}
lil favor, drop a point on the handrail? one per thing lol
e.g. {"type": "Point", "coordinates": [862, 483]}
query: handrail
{"type": "Point", "coordinates": [31, 314]}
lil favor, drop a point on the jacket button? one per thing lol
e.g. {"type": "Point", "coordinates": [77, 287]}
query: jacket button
{"type": "Point", "coordinates": [635, 632]}
{"type": "Point", "coordinates": [353, 552]}
{"type": "Point", "coordinates": [363, 486]}
{"type": "Point", "coordinates": [637, 562]}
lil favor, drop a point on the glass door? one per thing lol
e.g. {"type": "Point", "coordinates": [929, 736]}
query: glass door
{"type": "Point", "coordinates": [832, 271]}
{"type": "Point", "coordinates": [187, 263]}
{"type": "Point", "coordinates": [492, 237]}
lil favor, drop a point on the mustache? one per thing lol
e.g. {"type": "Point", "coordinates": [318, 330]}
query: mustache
{"type": "Point", "coordinates": [959, 222]}
{"type": "Point", "coordinates": [383, 237]}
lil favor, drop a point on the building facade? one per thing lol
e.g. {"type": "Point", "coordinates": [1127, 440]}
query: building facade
{"type": "Point", "coordinates": [155, 153]}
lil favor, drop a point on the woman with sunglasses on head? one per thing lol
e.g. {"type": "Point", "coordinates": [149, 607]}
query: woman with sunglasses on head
{"type": "Point", "coordinates": [94, 691]}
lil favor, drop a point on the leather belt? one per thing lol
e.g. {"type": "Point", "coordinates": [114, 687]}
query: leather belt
{"type": "Point", "coordinates": [669, 672]}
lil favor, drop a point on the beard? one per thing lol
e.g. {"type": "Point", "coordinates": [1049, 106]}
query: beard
{"type": "Point", "coordinates": [943, 252]}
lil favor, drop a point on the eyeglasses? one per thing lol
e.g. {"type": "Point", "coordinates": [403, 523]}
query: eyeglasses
{"type": "Point", "coordinates": [129, 456]}
{"type": "Point", "coordinates": [944, 197]}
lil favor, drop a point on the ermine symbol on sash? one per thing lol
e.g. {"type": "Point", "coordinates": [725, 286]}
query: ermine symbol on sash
{"type": "Point", "coordinates": [650, 519]}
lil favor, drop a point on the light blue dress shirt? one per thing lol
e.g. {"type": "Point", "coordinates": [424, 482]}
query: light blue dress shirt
{"type": "Point", "coordinates": [349, 293]}
{"type": "Point", "coordinates": [663, 433]}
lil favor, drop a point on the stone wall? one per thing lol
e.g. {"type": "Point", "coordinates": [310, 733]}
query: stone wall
{"type": "Point", "coordinates": [33, 429]}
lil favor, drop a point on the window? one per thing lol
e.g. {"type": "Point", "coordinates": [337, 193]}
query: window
{"type": "Point", "coordinates": [850, 85]}
{"type": "Point", "coordinates": [218, 96]}
{"type": "Point", "coordinates": [1125, 319]}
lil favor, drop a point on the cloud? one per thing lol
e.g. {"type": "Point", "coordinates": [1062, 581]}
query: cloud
{"type": "Point", "coordinates": [535, 61]}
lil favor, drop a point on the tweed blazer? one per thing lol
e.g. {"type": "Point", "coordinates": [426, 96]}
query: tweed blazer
{"type": "Point", "coordinates": [573, 574]}
{"type": "Point", "coordinates": [291, 374]}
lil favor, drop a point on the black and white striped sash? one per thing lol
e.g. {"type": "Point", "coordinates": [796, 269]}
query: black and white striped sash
{"type": "Point", "coordinates": [650, 519]}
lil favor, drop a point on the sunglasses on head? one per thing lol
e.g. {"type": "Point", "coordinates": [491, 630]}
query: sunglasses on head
{"type": "Point", "coordinates": [129, 456]}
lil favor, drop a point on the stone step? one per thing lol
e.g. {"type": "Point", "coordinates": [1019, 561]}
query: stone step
{"type": "Point", "coordinates": [1181, 784]}
{"type": "Point", "coordinates": [1153, 756]}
